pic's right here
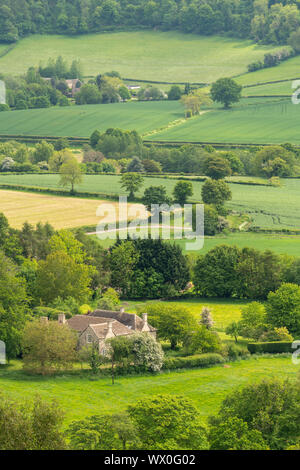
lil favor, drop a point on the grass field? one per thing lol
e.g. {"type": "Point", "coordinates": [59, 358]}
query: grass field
{"type": "Point", "coordinates": [270, 89]}
{"type": "Point", "coordinates": [150, 55]}
{"type": "Point", "coordinates": [269, 207]}
{"type": "Point", "coordinates": [223, 311]}
{"type": "Point", "coordinates": [80, 396]}
{"type": "Point", "coordinates": [256, 120]}
{"type": "Point", "coordinates": [81, 121]}
{"type": "Point", "coordinates": [61, 212]}
{"type": "Point", "coordinates": [289, 69]}
{"type": "Point", "coordinates": [251, 121]}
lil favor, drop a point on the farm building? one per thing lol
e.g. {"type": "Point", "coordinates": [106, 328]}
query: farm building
{"type": "Point", "coordinates": [101, 325]}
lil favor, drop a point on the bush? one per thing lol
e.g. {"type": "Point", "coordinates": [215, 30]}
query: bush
{"type": "Point", "coordinates": [270, 347]}
{"type": "Point", "coordinates": [236, 351]}
{"type": "Point", "coordinates": [198, 360]}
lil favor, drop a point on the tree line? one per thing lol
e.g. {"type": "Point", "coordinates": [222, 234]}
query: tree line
{"type": "Point", "coordinates": [268, 22]}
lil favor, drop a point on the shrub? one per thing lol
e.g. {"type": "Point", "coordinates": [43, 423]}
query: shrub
{"type": "Point", "coordinates": [270, 347]}
{"type": "Point", "coordinates": [198, 360]}
{"type": "Point", "coordinates": [236, 351]}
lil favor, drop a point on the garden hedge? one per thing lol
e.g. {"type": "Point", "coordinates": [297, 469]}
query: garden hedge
{"type": "Point", "coordinates": [197, 360]}
{"type": "Point", "coordinates": [270, 347]}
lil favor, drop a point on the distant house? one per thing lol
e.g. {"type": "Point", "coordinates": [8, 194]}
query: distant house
{"type": "Point", "coordinates": [101, 325]}
{"type": "Point", "coordinates": [74, 85]}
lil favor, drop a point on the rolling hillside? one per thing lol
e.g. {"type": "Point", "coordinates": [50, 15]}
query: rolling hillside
{"type": "Point", "coordinates": [146, 55]}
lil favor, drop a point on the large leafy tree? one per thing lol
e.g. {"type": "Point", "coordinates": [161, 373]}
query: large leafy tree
{"type": "Point", "coordinates": [173, 322]}
{"type": "Point", "coordinates": [215, 274]}
{"type": "Point", "coordinates": [182, 190]}
{"type": "Point", "coordinates": [13, 306]}
{"type": "Point", "coordinates": [31, 426]}
{"type": "Point", "coordinates": [48, 346]}
{"type": "Point", "coordinates": [60, 276]}
{"type": "Point", "coordinates": [270, 407]}
{"type": "Point", "coordinates": [226, 91]}
{"type": "Point", "coordinates": [132, 182]}
{"type": "Point", "coordinates": [70, 174]}
{"type": "Point", "coordinates": [215, 192]}
{"type": "Point", "coordinates": [216, 167]}
{"type": "Point", "coordinates": [168, 422]}
{"type": "Point", "coordinates": [283, 307]}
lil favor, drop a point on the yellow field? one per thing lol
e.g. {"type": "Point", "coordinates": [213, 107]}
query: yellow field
{"type": "Point", "coordinates": [61, 212]}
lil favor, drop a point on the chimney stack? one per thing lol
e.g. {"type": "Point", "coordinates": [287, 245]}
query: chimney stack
{"type": "Point", "coordinates": [61, 318]}
{"type": "Point", "coordinates": [110, 330]}
{"type": "Point", "coordinates": [122, 310]}
{"type": "Point", "coordinates": [145, 318]}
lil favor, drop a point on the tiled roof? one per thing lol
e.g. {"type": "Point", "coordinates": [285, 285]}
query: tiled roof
{"type": "Point", "coordinates": [129, 319]}
{"type": "Point", "coordinates": [117, 328]}
{"type": "Point", "coordinates": [81, 322]}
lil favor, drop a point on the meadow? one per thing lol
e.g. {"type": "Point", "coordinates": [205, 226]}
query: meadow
{"type": "Point", "coordinates": [251, 121]}
{"type": "Point", "coordinates": [270, 207]}
{"type": "Point", "coordinates": [270, 89]}
{"type": "Point", "coordinates": [81, 121]}
{"type": "Point", "coordinates": [144, 55]}
{"type": "Point", "coordinates": [82, 396]}
{"type": "Point", "coordinates": [289, 69]}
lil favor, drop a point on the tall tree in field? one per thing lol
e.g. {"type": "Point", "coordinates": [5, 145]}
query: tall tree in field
{"type": "Point", "coordinates": [182, 190]}
{"type": "Point", "coordinates": [226, 91]}
{"type": "Point", "coordinates": [132, 183]}
{"type": "Point", "coordinates": [70, 174]}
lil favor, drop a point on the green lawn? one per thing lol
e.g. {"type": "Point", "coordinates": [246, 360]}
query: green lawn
{"type": "Point", "coordinates": [150, 55]}
{"type": "Point", "coordinates": [80, 397]}
{"type": "Point", "coordinates": [251, 121]}
{"type": "Point", "coordinates": [81, 121]}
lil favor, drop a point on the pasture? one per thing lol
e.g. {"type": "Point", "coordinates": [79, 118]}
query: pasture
{"type": "Point", "coordinates": [81, 121]}
{"type": "Point", "coordinates": [80, 396]}
{"type": "Point", "coordinates": [274, 208]}
{"type": "Point", "coordinates": [259, 121]}
{"type": "Point", "coordinates": [145, 55]}
{"type": "Point", "coordinates": [289, 69]}
{"type": "Point", "coordinates": [270, 89]}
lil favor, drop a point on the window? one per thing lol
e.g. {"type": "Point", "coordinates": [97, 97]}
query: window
{"type": "Point", "coordinates": [89, 339]}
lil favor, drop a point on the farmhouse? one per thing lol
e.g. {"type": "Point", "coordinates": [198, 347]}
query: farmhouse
{"type": "Point", "coordinates": [74, 85]}
{"type": "Point", "coordinates": [101, 325]}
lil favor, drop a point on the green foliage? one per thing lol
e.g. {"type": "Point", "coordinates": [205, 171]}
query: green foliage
{"type": "Point", "coordinates": [110, 300]}
{"type": "Point", "coordinates": [253, 321]}
{"type": "Point", "coordinates": [283, 307]}
{"type": "Point", "coordinates": [132, 182]}
{"type": "Point", "coordinates": [103, 432]}
{"type": "Point", "coordinates": [155, 195]}
{"type": "Point", "coordinates": [202, 341]}
{"type": "Point", "coordinates": [70, 174]}
{"type": "Point", "coordinates": [173, 322]}
{"type": "Point", "coordinates": [270, 407]}
{"type": "Point", "coordinates": [215, 192]}
{"type": "Point", "coordinates": [196, 360]}
{"type": "Point", "coordinates": [31, 425]}
{"type": "Point", "coordinates": [234, 434]}
{"type": "Point", "coordinates": [270, 347]}
{"type": "Point", "coordinates": [174, 93]}
{"type": "Point", "coordinates": [168, 422]}
{"type": "Point", "coordinates": [216, 167]}
{"type": "Point", "coordinates": [182, 190]}
{"type": "Point", "coordinates": [226, 91]}
{"type": "Point", "coordinates": [90, 354]}
{"type": "Point", "coordinates": [47, 347]}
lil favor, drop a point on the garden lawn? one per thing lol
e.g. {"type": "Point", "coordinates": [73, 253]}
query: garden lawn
{"type": "Point", "coordinates": [80, 396]}
{"type": "Point", "coordinates": [146, 55]}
